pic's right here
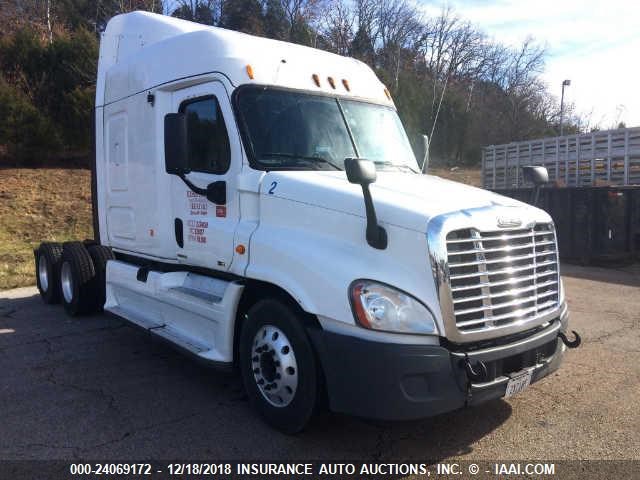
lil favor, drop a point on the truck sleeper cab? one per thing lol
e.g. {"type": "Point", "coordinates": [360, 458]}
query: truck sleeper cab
{"type": "Point", "coordinates": [237, 218]}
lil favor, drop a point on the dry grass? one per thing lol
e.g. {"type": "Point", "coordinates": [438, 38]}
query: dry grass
{"type": "Point", "coordinates": [470, 176]}
{"type": "Point", "coordinates": [36, 205]}
{"type": "Point", "coordinates": [55, 204]}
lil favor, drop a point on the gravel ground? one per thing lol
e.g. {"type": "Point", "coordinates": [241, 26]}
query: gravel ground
{"type": "Point", "coordinates": [97, 388]}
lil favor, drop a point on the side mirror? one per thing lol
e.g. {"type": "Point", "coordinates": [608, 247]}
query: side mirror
{"type": "Point", "coordinates": [360, 171]}
{"type": "Point", "coordinates": [536, 175]}
{"type": "Point", "coordinates": [363, 172]}
{"type": "Point", "coordinates": [176, 148]}
{"type": "Point", "coordinates": [217, 192]}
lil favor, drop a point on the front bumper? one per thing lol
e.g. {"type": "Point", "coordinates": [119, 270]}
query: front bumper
{"type": "Point", "coordinates": [401, 382]}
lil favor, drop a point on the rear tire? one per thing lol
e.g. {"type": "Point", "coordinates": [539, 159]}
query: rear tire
{"type": "Point", "coordinates": [77, 279]}
{"type": "Point", "coordinates": [278, 366]}
{"type": "Point", "coordinates": [100, 255]}
{"type": "Point", "coordinates": [47, 259]}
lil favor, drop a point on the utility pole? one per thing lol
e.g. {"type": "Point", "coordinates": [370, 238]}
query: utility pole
{"type": "Point", "coordinates": [565, 83]}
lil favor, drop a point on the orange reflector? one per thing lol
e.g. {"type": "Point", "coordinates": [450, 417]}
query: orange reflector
{"type": "Point", "coordinates": [241, 249]}
{"type": "Point", "coordinates": [250, 71]}
{"type": "Point", "coordinates": [345, 82]}
{"type": "Point", "coordinates": [316, 79]}
{"type": "Point", "coordinates": [361, 314]}
{"type": "Point", "coordinates": [386, 92]}
{"type": "Point", "coordinates": [331, 82]}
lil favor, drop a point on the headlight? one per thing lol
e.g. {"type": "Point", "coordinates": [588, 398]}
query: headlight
{"type": "Point", "coordinates": [380, 307]}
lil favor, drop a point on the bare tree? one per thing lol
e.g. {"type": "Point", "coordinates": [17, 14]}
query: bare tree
{"type": "Point", "coordinates": [336, 26]}
{"type": "Point", "coordinates": [201, 11]}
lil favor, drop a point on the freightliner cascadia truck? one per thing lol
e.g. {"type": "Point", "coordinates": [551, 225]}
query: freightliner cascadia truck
{"type": "Point", "coordinates": [258, 205]}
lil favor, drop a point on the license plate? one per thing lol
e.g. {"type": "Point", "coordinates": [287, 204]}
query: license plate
{"type": "Point", "coordinates": [518, 383]}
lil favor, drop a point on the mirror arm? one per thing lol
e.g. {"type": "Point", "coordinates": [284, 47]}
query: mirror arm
{"type": "Point", "coordinates": [425, 159]}
{"type": "Point", "coordinates": [535, 195]}
{"type": "Point", "coordinates": [192, 187]}
{"type": "Point", "coordinates": [376, 234]}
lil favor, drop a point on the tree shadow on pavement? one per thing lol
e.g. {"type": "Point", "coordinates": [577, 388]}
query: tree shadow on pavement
{"type": "Point", "coordinates": [427, 440]}
{"type": "Point", "coordinates": [112, 392]}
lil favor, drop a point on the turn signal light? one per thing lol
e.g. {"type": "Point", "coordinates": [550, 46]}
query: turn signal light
{"type": "Point", "coordinates": [241, 249]}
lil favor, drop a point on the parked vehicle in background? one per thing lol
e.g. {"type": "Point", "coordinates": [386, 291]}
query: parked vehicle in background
{"type": "Point", "coordinates": [258, 204]}
{"type": "Point", "coordinates": [594, 193]}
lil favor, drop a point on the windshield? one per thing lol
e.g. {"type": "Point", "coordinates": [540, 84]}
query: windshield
{"type": "Point", "coordinates": [292, 130]}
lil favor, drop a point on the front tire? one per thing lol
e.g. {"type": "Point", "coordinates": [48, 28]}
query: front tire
{"type": "Point", "coordinates": [278, 366]}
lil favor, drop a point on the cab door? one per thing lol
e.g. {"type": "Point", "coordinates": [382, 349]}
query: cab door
{"type": "Point", "coordinates": [204, 231]}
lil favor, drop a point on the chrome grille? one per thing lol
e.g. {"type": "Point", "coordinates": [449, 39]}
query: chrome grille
{"type": "Point", "coordinates": [501, 277]}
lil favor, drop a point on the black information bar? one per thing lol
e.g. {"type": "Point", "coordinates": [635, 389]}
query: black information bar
{"type": "Point", "coordinates": [304, 469]}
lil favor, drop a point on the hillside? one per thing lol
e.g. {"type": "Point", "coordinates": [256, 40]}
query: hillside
{"type": "Point", "coordinates": [55, 204]}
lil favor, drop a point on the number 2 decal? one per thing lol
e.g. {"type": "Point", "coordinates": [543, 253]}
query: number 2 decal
{"type": "Point", "coordinates": [272, 188]}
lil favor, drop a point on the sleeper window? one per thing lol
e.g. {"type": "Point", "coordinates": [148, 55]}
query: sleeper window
{"type": "Point", "coordinates": [208, 139]}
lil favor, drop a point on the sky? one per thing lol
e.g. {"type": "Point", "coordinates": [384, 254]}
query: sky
{"type": "Point", "coordinates": [595, 44]}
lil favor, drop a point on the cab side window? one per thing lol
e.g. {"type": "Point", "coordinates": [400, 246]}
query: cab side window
{"type": "Point", "coordinates": [208, 139]}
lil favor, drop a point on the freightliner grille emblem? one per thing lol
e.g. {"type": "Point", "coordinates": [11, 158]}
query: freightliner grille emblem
{"type": "Point", "coordinates": [505, 222]}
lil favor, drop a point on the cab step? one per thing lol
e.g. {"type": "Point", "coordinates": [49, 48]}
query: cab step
{"type": "Point", "coordinates": [195, 312]}
{"type": "Point", "coordinates": [180, 340]}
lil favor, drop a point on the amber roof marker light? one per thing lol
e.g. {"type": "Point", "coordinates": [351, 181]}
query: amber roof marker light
{"type": "Point", "coordinates": [331, 82]}
{"type": "Point", "coordinates": [346, 85]}
{"type": "Point", "coordinates": [250, 72]}
{"type": "Point", "coordinates": [316, 79]}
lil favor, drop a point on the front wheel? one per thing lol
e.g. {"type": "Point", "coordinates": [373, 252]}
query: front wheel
{"type": "Point", "coordinates": [278, 366]}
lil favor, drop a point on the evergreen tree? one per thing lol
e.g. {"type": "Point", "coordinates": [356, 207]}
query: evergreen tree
{"type": "Point", "coordinates": [243, 16]}
{"type": "Point", "coordinates": [275, 20]}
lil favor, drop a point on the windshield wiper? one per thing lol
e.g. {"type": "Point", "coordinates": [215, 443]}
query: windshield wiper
{"type": "Point", "coordinates": [385, 163]}
{"type": "Point", "coordinates": [301, 157]}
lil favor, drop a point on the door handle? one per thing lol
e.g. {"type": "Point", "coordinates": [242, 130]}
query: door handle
{"type": "Point", "coordinates": [179, 231]}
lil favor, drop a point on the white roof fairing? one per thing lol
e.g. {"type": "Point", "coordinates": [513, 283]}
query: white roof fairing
{"type": "Point", "coordinates": [142, 50]}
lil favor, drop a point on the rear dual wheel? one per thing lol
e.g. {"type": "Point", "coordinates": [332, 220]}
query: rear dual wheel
{"type": "Point", "coordinates": [76, 279]}
{"type": "Point", "coordinates": [73, 273]}
{"type": "Point", "coordinates": [47, 258]}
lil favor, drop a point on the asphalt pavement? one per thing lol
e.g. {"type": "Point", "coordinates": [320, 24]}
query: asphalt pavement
{"type": "Point", "coordinates": [97, 388]}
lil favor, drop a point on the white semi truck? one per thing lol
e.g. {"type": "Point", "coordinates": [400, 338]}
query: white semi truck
{"type": "Point", "coordinates": [257, 204]}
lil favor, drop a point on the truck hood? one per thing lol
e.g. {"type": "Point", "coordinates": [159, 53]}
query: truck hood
{"type": "Point", "coordinates": [403, 199]}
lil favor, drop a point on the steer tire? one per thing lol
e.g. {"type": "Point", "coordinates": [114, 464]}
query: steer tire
{"type": "Point", "coordinates": [77, 280]}
{"type": "Point", "coordinates": [47, 259]}
{"type": "Point", "coordinates": [100, 255]}
{"type": "Point", "coordinates": [293, 365]}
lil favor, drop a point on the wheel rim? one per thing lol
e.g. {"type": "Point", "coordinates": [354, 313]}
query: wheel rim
{"type": "Point", "coordinates": [66, 281]}
{"type": "Point", "coordinates": [274, 365]}
{"type": "Point", "coordinates": [43, 274]}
